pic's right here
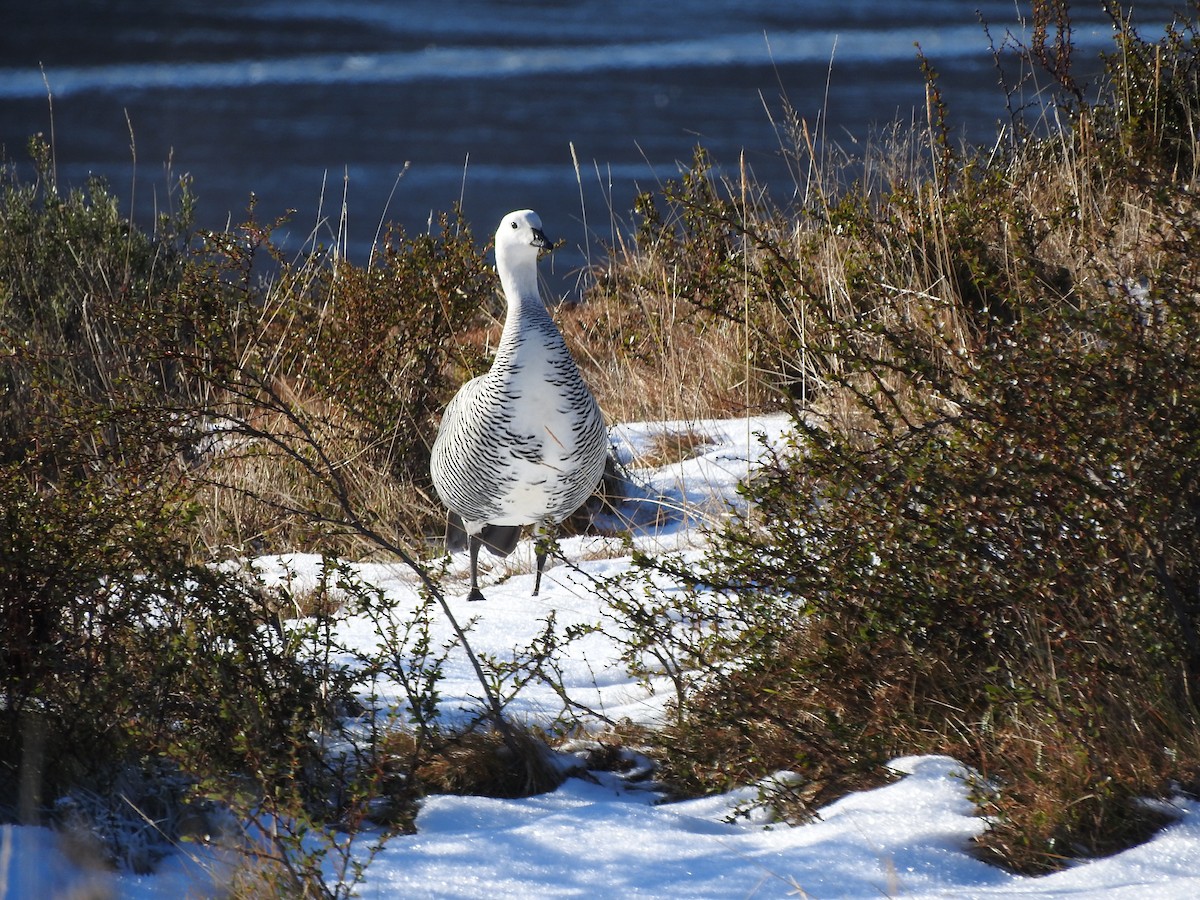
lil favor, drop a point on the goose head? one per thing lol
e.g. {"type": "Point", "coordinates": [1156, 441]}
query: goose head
{"type": "Point", "coordinates": [518, 240]}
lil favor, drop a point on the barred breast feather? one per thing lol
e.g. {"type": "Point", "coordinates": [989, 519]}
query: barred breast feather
{"type": "Point", "coordinates": [525, 443]}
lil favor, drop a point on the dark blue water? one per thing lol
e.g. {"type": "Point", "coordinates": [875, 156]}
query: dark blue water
{"type": "Point", "coordinates": [306, 103]}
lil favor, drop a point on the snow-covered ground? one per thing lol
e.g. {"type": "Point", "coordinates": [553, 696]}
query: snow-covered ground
{"type": "Point", "coordinates": [606, 837]}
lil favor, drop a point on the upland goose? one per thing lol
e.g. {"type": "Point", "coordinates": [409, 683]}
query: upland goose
{"type": "Point", "coordinates": [525, 443]}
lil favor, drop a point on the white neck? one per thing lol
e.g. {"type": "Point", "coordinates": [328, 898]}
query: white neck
{"type": "Point", "coordinates": [518, 277]}
{"type": "Point", "coordinates": [527, 315]}
{"type": "Point", "coordinates": [519, 273]}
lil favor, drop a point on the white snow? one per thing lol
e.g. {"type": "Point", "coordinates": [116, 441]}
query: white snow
{"type": "Point", "coordinates": [597, 840]}
{"type": "Point", "coordinates": [606, 837]}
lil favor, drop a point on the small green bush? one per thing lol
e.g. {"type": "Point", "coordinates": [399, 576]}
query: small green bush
{"type": "Point", "coordinates": [84, 316]}
{"type": "Point", "coordinates": [982, 540]}
{"type": "Point", "coordinates": [166, 400]}
{"type": "Point", "coordinates": [1153, 99]}
{"type": "Point", "coordinates": [323, 381]}
{"type": "Point", "coordinates": [120, 651]}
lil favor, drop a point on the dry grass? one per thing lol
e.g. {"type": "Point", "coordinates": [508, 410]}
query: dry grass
{"type": "Point", "coordinates": [647, 358]}
{"type": "Point", "coordinates": [259, 496]}
{"type": "Point", "coordinates": [479, 761]}
{"type": "Point", "coordinates": [671, 446]}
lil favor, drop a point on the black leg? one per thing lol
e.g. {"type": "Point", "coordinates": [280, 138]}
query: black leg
{"type": "Point", "coordinates": [543, 541]}
{"type": "Point", "coordinates": [540, 555]}
{"type": "Point", "coordinates": [473, 544]}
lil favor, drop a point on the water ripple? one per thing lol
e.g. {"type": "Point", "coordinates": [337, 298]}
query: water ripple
{"type": "Point", "coordinates": [443, 63]}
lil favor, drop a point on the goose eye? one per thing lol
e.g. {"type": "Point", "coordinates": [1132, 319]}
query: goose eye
{"type": "Point", "coordinates": [515, 226]}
